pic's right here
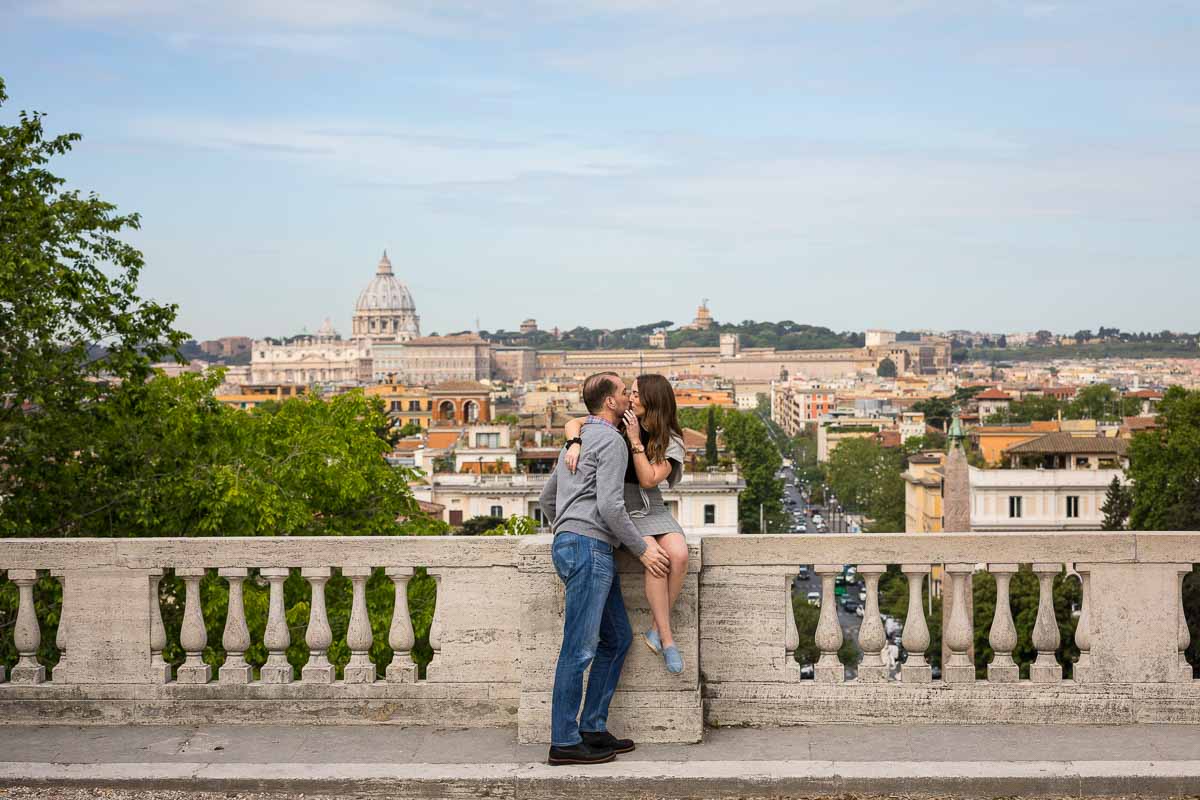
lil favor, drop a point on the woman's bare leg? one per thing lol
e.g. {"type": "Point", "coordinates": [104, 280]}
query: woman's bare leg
{"type": "Point", "coordinates": [662, 600]}
{"type": "Point", "coordinates": [658, 595]}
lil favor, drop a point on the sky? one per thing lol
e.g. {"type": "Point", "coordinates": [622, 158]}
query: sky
{"type": "Point", "coordinates": [1002, 165]}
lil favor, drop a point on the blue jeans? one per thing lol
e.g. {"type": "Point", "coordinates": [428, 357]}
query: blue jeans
{"type": "Point", "coordinates": [595, 631]}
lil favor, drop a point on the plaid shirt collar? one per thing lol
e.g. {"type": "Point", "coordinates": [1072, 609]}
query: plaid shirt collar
{"type": "Point", "coordinates": [593, 419]}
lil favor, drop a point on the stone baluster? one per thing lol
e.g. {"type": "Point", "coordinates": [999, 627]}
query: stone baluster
{"type": "Point", "coordinates": [318, 637]}
{"type": "Point", "coordinates": [358, 635]}
{"type": "Point", "coordinates": [791, 635]}
{"type": "Point", "coordinates": [276, 639]}
{"type": "Point", "coordinates": [829, 630]}
{"type": "Point", "coordinates": [62, 670]}
{"type": "Point", "coordinates": [916, 629]}
{"type": "Point", "coordinates": [193, 637]}
{"type": "Point", "coordinates": [236, 637]}
{"type": "Point", "coordinates": [1003, 635]}
{"type": "Point", "coordinates": [400, 636]}
{"type": "Point", "coordinates": [1046, 668]}
{"type": "Point", "coordinates": [871, 636]}
{"type": "Point", "coordinates": [958, 630]}
{"type": "Point", "coordinates": [1184, 636]}
{"type": "Point", "coordinates": [27, 636]}
{"type": "Point", "coordinates": [1083, 628]}
{"type": "Point", "coordinates": [160, 670]}
{"type": "Point", "coordinates": [3, 672]}
{"type": "Point", "coordinates": [435, 625]}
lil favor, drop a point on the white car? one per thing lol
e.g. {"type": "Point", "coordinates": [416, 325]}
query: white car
{"type": "Point", "coordinates": [818, 519]}
{"type": "Point", "coordinates": [859, 611]}
{"type": "Point", "coordinates": [814, 599]}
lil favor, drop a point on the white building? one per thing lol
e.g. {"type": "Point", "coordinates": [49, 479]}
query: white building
{"type": "Point", "coordinates": [323, 358]}
{"type": "Point", "coordinates": [1064, 489]}
{"type": "Point", "coordinates": [703, 502]}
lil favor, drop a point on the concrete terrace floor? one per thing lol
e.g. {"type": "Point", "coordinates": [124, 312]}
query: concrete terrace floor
{"type": "Point", "coordinates": [387, 761]}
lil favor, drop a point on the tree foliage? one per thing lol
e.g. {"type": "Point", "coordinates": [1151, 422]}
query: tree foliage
{"type": "Point", "coordinates": [1118, 503]}
{"type": "Point", "coordinates": [886, 368]}
{"type": "Point", "coordinates": [865, 477]}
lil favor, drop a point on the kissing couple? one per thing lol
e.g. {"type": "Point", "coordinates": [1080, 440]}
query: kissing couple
{"type": "Point", "coordinates": [603, 494]}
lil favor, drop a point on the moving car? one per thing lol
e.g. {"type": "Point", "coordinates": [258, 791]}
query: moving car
{"type": "Point", "coordinates": [814, 598]}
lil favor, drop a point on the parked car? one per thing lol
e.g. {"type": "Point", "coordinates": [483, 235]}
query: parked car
{"type": "Point", "coordinates": [804, 571]}
{"type": "Point", "coordinates": [850, 604]}
{"type": "Point", "coordinates": [862, 596]}
{"type": "Point", "coordinates": [859, 611]}
{"type": "Point", "coordinates": [814, 598]}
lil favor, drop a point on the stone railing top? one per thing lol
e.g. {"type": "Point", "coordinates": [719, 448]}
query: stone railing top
{"type": "Point", "coordinates": [719, 550]}
{"type": "Point", "coordinates": [276, 551]}
{"type": "Point", "coordinates": [946, 548]}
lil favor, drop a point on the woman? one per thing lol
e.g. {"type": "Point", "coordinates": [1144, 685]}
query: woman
{"type": "Point", "coordinates": [656, 455]}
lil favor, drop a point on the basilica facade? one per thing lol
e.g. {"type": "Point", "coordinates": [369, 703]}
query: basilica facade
{"type": "Point", "coordinates": [384, 315]}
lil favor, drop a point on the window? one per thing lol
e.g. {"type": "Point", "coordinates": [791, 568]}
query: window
{"type": "Point", "coordinates": [1014, 506]}
{"type": "Point", "coordinates": [395, 405]}
{"type": "Point", "coordinates": [710, 514]}
{"type": "Point", "coordinates": [414, 405]}
{"type": "Point", "coordinates": [1073, 506]}
{"type": "Point", "coordinates": [497, 511]}
{"type": "Point", "coordinates": [487, 440]}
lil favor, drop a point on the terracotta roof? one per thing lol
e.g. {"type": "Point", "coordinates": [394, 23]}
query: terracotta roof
{"type": "Point", "coordinates": [1065, 443]}
{"type": "Point", "coordinates": [440, 439]}
{"type": "Point", "coordinates": [921, 458]}
{"type": "Point", "coordinates": [992, 394]}
{"type": "Point", "coordinates": [1037, 426]}
{"type": "Point", "coordinates": [1146, 394]}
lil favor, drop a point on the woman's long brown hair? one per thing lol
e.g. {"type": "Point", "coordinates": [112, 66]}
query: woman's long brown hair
{"type": "Point", "coordinates": [661, 418]}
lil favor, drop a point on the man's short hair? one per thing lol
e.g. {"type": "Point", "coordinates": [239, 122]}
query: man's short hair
{"type": "Point", "coordinates": [597, 388]}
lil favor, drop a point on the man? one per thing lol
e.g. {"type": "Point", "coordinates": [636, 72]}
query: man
{"type": "Point", "coordinates": [586, 509]}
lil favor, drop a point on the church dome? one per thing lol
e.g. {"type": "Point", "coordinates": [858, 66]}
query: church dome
{"type": "Point", "coordinates": [385, 292]}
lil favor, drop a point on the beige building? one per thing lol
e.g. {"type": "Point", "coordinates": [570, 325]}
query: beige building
{"type": "Point", "coordinates": [434, 359]}
{"type": "Point", "coordinates": [923, 493]}
{"type": "Point", "coordinates": [832, 432]}
{"type": "Point", "coordinates": [514, 364]}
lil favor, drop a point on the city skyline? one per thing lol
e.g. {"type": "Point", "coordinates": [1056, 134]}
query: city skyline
{"type": "Point", "coordinates": [999, 166]}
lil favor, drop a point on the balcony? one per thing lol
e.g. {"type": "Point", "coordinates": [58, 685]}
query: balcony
{"type": "Point", "coordinates": [497, 624]}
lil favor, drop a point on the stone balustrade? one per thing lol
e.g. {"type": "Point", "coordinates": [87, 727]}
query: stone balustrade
{"type": "Point", "coordinates": [497, 626]}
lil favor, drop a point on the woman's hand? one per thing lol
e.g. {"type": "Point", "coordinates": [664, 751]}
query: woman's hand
{"type": "Point", "coordinates": [571, 459]}
{"type": "Point", "coordinates": [633, 430]}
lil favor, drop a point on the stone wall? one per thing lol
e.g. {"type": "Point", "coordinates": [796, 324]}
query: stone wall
{"type": "Point", "coordinates": [498, 626]}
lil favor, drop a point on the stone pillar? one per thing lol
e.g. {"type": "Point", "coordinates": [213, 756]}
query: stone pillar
{"type": "Point", "coordinates": [957, 628]}
{"type": "Point", "coordinates": [317, 636]}
{"type": "Point", "coordinates": [1083, 629]}
{"type": "Point", "coordinates": [829, 630]}
{"type": "Point", "coordinates": [236, 637]}
{"type": "Point", "coordinates": [1003, 635]}
{"type": "Point", "coordinates": [871, 636]}
{"type": "Point", "coordinates": [193, 636]}
{"type": "Point", "coordinates": [400, 636]}
{"type": "Point", "coordinates": [1046, 668]}
{"type": "Point", "coordinates": [62, 670]}
{"type": "Point", "coordinates": [109, 625]}
{"type": "Point", "coordinates": [916, 629]}
{"type": "Point", "coordinates": [358, 635]}
{"type": "Point", "coordinates": [27, 636]}
{"type": "Point", "coordinates": [277, 638]}
{"type": "Point", "coordinates": [160, 670]}
{"type": "Point", "coordinates": [791, 635]}
{"type": "Point", "coordinates": [1184, 637]}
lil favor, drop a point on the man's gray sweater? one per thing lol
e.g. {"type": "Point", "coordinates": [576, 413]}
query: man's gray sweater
{"type": "Point", "coordinates": [591, 501]}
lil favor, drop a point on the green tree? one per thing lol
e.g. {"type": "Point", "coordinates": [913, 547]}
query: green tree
{"type": "Point", "coordinates": [1118, 503]}
{"type": "Point", "coordinates": [710, 439]}
{"type": "Point", "coordinates": [866, 479]}
{"type": "Point", "coordinates": [479, 525]}
{"type": "Point", "coordinates": [886, 368]}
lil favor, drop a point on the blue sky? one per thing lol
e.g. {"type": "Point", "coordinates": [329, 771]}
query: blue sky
{"type": "Point", "coordinates": [917, 163]}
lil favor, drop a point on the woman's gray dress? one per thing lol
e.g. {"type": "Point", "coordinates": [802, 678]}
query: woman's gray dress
{"type": "Point", "coordinates": [646, 507]}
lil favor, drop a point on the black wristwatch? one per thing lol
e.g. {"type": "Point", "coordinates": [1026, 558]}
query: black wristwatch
{"type": "Point", "coordinates": [577, 440]}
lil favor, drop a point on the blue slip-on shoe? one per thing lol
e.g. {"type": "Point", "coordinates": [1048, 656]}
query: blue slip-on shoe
{"type": "Point", "coordinates": [653, 642]}
{"type": "Point", "coordinates": [673, 659]}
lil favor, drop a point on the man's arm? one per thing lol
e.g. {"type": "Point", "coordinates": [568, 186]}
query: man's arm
{"type": "Point", "coordinates": [549, 499]}
{"type": "Point", "coordinates": [611, 460]}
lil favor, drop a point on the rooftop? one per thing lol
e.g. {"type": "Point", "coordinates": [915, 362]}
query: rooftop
{"type": "Point", "coordinates": [1065, 443]}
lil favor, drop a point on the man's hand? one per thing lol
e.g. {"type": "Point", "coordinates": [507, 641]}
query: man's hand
{"type": "Point", "coordinates": [571, 459]}
{"type": "Point", "coordinates": [655, 559]}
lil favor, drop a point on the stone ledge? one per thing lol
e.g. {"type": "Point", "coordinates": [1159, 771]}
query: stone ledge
{"type": "Point", "coordinates": [629, 778]}
{"type": "Point", "coordinates": [739, 704]}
